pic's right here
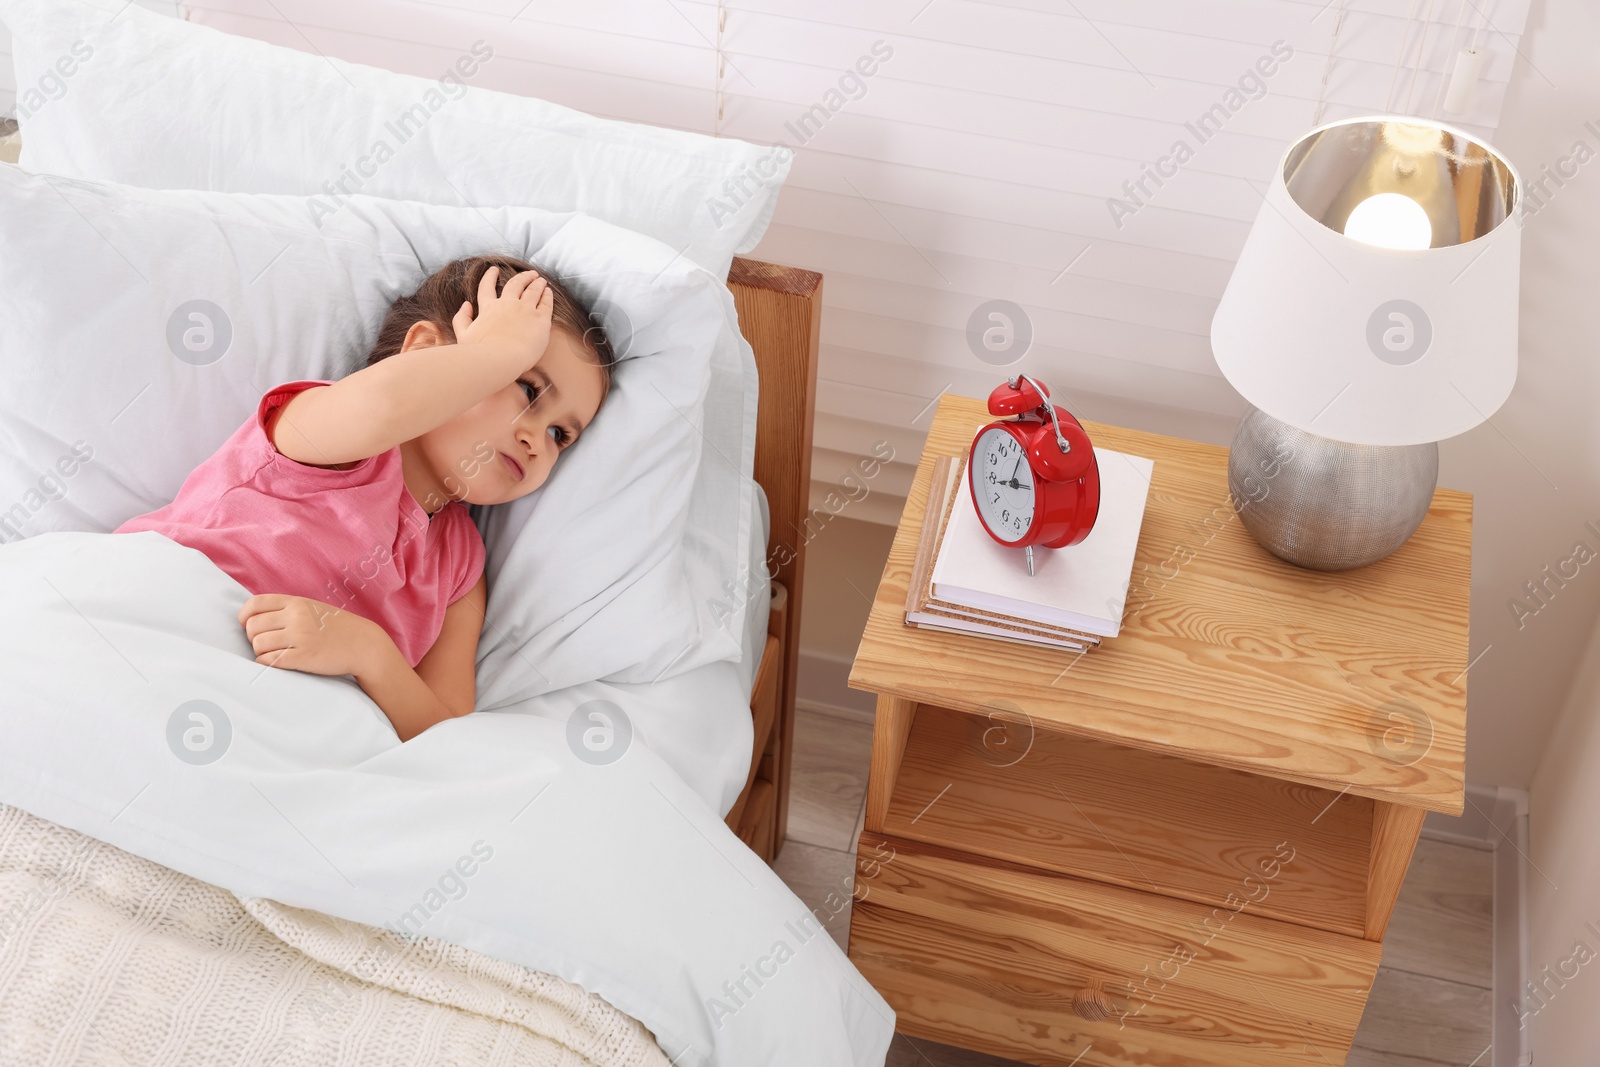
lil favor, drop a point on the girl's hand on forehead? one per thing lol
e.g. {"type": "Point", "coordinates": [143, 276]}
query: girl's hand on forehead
{"type": "Point", "coordinates": [518, 316]}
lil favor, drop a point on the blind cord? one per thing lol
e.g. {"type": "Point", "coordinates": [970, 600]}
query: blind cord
{"type": "Point", "coordinates": [1455, 48]}
{"type": "Point", "coordinates": [722, 70]}
{"type": "Point", "coordinates": [1399, 54]}
{"type": "Point", "coordinates": [1327, 68]}
{"type": "Point", "coordinates": [1422, 43]}
{"type": "Point", "coordinates": [1483, 20]}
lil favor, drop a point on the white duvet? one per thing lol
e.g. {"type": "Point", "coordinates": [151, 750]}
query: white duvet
{"type": "Point", "coordinates": [134, 712]}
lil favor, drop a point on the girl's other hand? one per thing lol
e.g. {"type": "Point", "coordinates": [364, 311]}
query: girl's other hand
{"type": "Point", "coordinates": [300, 634]}
{"type": "Point", "coordinates": [518, 316]}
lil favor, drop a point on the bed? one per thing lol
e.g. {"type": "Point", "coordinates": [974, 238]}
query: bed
{"type": "Point", "coordinates": [89, 933]}
{"type": "Point", "coordinates": [198, 858]}
{"type": "Point", "coordinates": [373, 995]}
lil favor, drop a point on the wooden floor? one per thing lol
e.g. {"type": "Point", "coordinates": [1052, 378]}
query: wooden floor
{"type": "Point", "coordinates": [1430, 1003]}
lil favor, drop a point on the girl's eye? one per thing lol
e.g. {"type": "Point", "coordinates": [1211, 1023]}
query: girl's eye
{"type": "Point", "coordinates": [531, 390]}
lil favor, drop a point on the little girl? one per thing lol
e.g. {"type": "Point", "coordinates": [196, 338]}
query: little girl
{"type": "Point", "coordinates": [353, 494]}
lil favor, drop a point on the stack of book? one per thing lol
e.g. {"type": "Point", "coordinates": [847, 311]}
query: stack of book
{"type": "Point", "coordinates": [963, 581]}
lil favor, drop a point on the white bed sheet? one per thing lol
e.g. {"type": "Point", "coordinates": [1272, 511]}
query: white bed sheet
{"type": "Point", "coordinates": [759, 587]}
{"type": "Point", "coordinates": [606, 870]}
{"type": "Point", "coordinates": [698, 722]}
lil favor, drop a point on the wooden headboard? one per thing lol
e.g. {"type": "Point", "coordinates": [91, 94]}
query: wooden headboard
{"type": "Point", "coordinates": [780, 314]}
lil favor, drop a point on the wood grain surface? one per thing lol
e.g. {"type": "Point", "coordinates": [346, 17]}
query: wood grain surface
{"type": "Point", "coordinates": [780, 315]}
{"type": "Point", "coordinates": [1395, 828]}
{"type": "Point", "coordinates": [992, 787]}
{"type": "Point", "coordinates": [990, 957]}
{"type": "Point", "coordinates": [764, 711]}
{"type": "Point", "coordinates": [1440, 933]}
{"type": "Point", "coordinates": [891, 727]}
{"type": "Point", "coordinates": [1227, 655]}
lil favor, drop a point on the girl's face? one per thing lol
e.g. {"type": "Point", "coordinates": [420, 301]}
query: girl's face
{"type": "Point", "coordinates": [504, 446]}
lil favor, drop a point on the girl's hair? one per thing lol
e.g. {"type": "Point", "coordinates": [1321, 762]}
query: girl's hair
{"type": "Point", "coordinates": [439, 298]}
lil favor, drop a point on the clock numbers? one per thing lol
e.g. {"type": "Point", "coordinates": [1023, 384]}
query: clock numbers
{"type": "Point", "coordinates": [1007, 503]}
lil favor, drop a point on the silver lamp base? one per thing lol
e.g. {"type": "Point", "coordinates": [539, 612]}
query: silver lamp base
{"type": "Point", "coordinates": [1324, 504]}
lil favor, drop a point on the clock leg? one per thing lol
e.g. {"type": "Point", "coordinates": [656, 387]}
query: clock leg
{"type": "Point", "coordinates": [1029, 550]}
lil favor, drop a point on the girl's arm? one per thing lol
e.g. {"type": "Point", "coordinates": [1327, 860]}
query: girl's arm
{"type": "Point", "coordinates": [411, 392]}
{"type": "Point", "coordinates": [443, 685]}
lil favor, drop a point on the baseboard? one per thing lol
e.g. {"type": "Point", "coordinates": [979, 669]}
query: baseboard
{"type": "Point", "coordinates": [1509, 821]}
{"type": "Point", "coordinates": [822, 684]}
{"type": "Point", "coordinates": [1497, 819]}
{"type": "Point", "coordinates": [833, 711]}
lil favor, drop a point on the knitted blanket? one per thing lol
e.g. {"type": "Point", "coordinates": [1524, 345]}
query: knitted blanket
{"type": "Point", "coordinates": [109, 958]}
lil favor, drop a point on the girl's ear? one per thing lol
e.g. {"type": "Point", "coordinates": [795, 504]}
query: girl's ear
{"type": "Point", "coordinates": [423, 334]}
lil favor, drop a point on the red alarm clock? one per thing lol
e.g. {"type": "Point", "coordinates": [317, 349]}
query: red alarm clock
{"type": "Point", "coordinates": [1033, 475]}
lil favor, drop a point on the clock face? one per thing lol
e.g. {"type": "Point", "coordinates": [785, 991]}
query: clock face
{"type": "Point", "coordinates": [1002, 485]}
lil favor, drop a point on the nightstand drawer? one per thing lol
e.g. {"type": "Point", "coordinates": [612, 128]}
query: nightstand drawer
{"type": "Point", "coordinates": [999, 788]}
{"type": "Point", "coordinates": [1040, 967]}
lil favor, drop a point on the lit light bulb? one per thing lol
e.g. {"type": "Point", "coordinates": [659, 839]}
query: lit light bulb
{"type": "Point", "coordinates": [1390, 220]}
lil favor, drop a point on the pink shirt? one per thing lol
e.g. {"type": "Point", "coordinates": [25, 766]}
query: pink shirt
{"type": "Point", "coordinates": [354, 538]}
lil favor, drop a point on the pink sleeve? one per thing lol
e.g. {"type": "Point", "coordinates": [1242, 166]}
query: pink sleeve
{"type": "Point", "coordinates": [273, 401]}
{"type": "Point", "coordinates": [277, 397]}
{"type": "Point", "coordinates": [466, 551]}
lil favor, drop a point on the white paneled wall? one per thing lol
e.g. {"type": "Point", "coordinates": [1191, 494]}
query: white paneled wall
{"type": "Point", "coordinates": [8, 76]}
{"type": "Point", "coordinates": [978, 161]}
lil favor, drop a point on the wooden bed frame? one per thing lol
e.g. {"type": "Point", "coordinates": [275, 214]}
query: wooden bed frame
{"type": "Point", "coordinates": [780, 314]}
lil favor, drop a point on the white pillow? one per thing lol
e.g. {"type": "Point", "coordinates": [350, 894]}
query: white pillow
{"type": "Point", "coordinates": [116, 93]}
{"type": "Point", "coordinates": [109, 90]}
{"type": "Point", "coordinates": [106, 403]}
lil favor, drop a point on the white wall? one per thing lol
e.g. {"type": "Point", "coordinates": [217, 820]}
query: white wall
{"type": "Point", "coordinates": [1536, 467]}
{"type": "Point", "coordinates": [1563, 884]}
{"type": "Point", "coordinates": [8, 77]}
{"type": "Point", "coordinates": [1551, 418]}
{"type": "Point", "coordinates": [979, 163]}
{"type": "Point", "coordinates": [975, 163]}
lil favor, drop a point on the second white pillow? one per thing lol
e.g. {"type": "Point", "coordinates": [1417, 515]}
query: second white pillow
{"type": "Point", "coordinates": [109, 90]}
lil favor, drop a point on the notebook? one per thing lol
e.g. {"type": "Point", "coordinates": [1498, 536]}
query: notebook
{"type": "Point", "coordinates": [1081, 588]}
{"type": "Point", "coordinates": [925, 611]}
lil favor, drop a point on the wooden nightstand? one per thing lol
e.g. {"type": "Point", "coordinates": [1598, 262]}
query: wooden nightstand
{"type": "Point", "coordinates": [1184, 846]}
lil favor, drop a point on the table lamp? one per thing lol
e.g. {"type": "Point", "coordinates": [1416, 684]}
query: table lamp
{"type": "Point", "coordinates": [1372, 313]}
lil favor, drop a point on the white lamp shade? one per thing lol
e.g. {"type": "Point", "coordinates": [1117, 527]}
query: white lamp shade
{"type": "Point", "coordinates": [1367, 344]}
